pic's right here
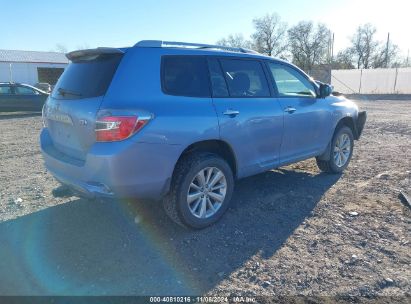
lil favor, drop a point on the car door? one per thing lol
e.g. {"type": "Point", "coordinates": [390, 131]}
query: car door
{"type": "Point", "coordinates": [28, 99]}
{"type": "Point", "coordinates": [306, 117]}
{"type": "Point", "coordinates": [250, 119]}
{"type": "Point", "coordinates": [6, 97]}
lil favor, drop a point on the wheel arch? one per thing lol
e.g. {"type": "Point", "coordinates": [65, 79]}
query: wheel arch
{"type": "Point", "coordinates": [215, 146]}
{"type": "Point", "coordinates": [349, 122]}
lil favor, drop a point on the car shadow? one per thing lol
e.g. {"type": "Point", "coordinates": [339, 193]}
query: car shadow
{"type": "Point", "coordinates": [10, 115]}
{"type": "Point", "coordinates": [131, 247]}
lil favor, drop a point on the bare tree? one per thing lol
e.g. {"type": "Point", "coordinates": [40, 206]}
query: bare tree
{"type": "Point", "coordinates": [407, 61]}
{"type": "Point", "coordinates": [344, 60]}
{"type": "Point", "coordinates": [402, 62]}
{"type": "Point", "coordinates": [364, 46]}
{"type": "Point", "coordinates": [61, 48]}
{"type": "Point", "coordinates": [309, 44]}
{"type": "Point", "coordinates": [386, 56]}
{"type": "Point", "coordinates": [270, 35]}
{"type": "Point", "coordinates": [235, 40]}
{"type": "Point", "coordinates": [83, 46]}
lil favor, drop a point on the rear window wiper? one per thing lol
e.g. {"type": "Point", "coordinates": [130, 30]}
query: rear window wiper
{"type": "Point", "coordinates": [64, 92]}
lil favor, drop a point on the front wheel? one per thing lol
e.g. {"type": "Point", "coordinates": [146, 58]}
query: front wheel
{"type": "Point", "coordinates": [341, 151]}
{"type": "Point", "coordinates": [201, 190]}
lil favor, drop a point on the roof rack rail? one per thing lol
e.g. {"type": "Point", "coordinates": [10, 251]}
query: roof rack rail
{"type": "Point", "coordinates": [176, 44]}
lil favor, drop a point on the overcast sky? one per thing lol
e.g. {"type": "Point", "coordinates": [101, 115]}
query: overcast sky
{"type": "Point", "coordinates": [41, 24]}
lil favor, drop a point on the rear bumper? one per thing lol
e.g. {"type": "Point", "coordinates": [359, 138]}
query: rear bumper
{"type": "Point", "coordinates": [120, 169]}
{"type": "Point", "coordinates": [83, 189]}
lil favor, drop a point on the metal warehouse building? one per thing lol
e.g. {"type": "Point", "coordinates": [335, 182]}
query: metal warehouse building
{"type": "Point", "coordinates": [31, 67]}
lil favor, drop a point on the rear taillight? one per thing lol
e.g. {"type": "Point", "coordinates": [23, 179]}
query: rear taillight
{"type": "Point", "coordinates": [115, 128]}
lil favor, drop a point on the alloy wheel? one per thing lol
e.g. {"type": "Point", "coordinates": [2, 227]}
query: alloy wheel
{"type": "Point", "coordinates": [342, 150]}
{"type": "Point", "coordinates": [206, 192]}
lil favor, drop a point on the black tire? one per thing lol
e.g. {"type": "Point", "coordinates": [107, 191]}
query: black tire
{"type": "Point", "coordinates": [330, 165]}
{"type": "Point", "coordinates": [175, 202]}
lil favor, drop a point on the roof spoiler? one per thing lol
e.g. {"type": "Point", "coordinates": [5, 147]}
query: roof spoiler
{"type": "Point", "coordinates": [76, 55]}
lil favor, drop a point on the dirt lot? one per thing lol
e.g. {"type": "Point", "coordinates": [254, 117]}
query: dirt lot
{"type": "Point", "coordinates": [292, 231]}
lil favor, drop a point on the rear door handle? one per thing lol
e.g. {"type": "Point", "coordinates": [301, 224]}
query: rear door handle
{"type": "Point", "coordinates": [231, 113]}
{"type": "Point", "coordinates": [290, 109]}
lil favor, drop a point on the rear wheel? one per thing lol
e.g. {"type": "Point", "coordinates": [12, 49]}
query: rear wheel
{"type": "Point", "coordinates": [201, 190]}
{"type": "Point", "coordinates": [341, 150]}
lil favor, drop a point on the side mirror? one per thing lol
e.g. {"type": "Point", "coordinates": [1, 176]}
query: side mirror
{"type": "Point", "coordinates": [325, 90]}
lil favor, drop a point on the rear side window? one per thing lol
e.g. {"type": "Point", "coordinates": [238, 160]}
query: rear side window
{"type": "Point", "coordinates": [87, 77]}
{"type": "Point", "coordinates": [245, 78]}
{"type": "Point", "coordinates": [185, 76]}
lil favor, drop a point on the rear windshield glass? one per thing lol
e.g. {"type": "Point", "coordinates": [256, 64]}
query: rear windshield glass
{"type": "Point", "coordinates": [87, 77]}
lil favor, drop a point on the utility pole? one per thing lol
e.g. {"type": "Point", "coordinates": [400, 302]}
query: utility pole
{"type": "Point", "coordinates": [386, 50]}
{"type": "Point", "coordinates": [329, 47]}
{"type": "Point", "coordinates": [330, 51]}
{"type": "Point", "coordinates": [11, 73]}
{"type": "Point", "coordinates": [408, 55]}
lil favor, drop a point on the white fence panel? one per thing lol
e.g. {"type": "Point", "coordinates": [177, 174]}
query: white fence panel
{"type": "Point", "coordinates": [378, 81]}
{"type": "Point", "coordinates": [346, 81]}
{"type": "Point", "coordinates": [403, 84]}
{"type": "Point", "coordinates": [372, 81]}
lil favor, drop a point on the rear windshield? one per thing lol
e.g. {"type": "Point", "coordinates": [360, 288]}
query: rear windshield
{"type": "Point", "coordinates": [87, 77]}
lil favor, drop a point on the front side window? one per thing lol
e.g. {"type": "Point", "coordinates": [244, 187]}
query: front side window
{"type": "Point", "coordinates": [245, 78]}
{"type": "Point", "coordinates": [290, 83]}
{"type": "Point", "coordinates": [5, 90]}
{"type": "Point", "coordinates": [185, 76]}
{"type": "Point", "coordinates": [24, 90]}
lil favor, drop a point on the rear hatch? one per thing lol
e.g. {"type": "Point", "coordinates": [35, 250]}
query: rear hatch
{"type": "Point", "coordinates": [71, 109]}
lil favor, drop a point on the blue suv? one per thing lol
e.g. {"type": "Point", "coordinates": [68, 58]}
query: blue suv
{"type": "Point", "coordinates": [181, 122]}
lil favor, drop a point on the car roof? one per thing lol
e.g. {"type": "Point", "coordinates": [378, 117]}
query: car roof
{"type": "Point", "coordinates": [183, 48]}
{"type": "Point", "coordinates": [178, 47]}
{"type": "Point", "coordinates": [188, 47]}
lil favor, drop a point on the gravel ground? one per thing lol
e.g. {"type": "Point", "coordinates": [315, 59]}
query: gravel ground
{"type": "Point", "coordinates": [291, 231]}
